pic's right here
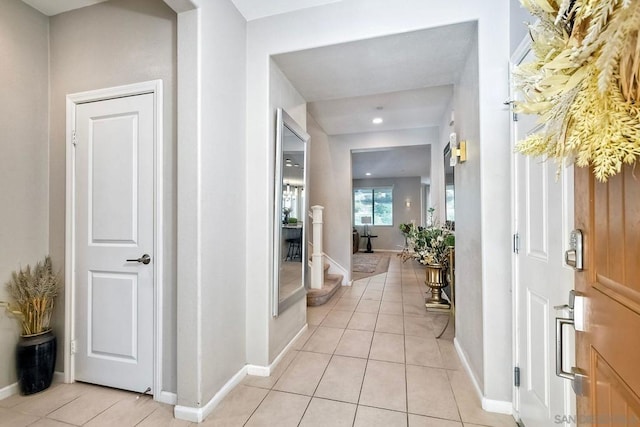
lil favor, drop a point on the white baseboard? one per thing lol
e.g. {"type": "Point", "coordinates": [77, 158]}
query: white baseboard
{"type": "Point", "coordinates": [335, 268]}
{"type": "Point", "coordinates": [166, 397]}
{"type": "Point", "coordinates": [489, 405]}
{"type": "Point", "coordinates": [9, 390]}
{"type": "Point", "coordinates": [197, 415]}
{"type": "Point", "coordinates": [259, 371]}
{"type": "Point", "coordinates": [497, 406]}
{"type": "Point", "coordinates": [265, 371]}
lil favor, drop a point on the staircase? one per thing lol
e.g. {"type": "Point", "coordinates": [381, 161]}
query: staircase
{"type": "Point", "coordinates": [323, 284]}
{"type": "Point", "coordinates": [331, 284]}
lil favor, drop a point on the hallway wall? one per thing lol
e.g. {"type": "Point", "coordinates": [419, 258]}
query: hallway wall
{"type": "Point", "coordinates": [284, 327]}
{"type": "Point", "coordinates": [469, 196]}
{"type": "Point", "coordinates": [222, 297]}
{"type": "Point", "coordinates": [389, 237]}
{"type": "Point", "coordinates": [331, 179]}
{"type": "Point", "coordinates": [110, 44]}
{"type": "Point", "coordinates": [360, 19]}
{"type": "Point", "coordinates": [24, 156]}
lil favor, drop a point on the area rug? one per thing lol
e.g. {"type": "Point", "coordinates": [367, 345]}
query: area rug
{"type": "Point", "coordinates": [366, 265]}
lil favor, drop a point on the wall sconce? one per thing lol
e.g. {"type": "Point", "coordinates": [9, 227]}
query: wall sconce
{"type": "Point", "coordinates": [458, 150]}
{"type": "Point", "coordinates": [407, 203]}
{"type": "Point", "coordinates": [461, 152]}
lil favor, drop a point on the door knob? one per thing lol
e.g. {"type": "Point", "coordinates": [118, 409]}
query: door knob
{"type": "Point", "coordinates": [144, 259]}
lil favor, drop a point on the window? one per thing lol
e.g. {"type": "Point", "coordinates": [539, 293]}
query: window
{"type": "Point", "coordinates": [376, 203]}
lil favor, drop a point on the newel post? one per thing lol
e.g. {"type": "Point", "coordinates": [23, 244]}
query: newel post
{"type": "Point", "coordinates": [317, 258]}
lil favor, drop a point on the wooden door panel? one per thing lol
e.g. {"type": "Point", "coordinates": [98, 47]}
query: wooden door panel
{"type": "Point", "coordinates": [615, 403]}
{"type": "Point", "coordinates": [632, 226]}
{"type": "Point", "coordinates": [609, 350]}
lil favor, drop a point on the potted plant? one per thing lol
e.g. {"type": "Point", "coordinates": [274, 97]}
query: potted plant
{"type": "Point", "coordinates": [430, 246]}
{"type": "Point", "coordinates": [33, 292]}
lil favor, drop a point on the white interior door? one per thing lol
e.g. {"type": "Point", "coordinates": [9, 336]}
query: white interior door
{"type": "Point", "coordinates": [114, 307]}
{"type": "Point", "coordinates": [544, 219]}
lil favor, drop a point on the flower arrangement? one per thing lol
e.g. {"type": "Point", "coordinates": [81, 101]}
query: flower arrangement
{"type": "Point", "coordinates": [584, 83]}
{"type": "Point", "coordinates": [33, 291]}
{"type": "Point", "coordinates": [430, 245]}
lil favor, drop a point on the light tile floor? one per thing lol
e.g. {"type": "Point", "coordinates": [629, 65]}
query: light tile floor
{"type": "Point", "coordinates": [369, 358]}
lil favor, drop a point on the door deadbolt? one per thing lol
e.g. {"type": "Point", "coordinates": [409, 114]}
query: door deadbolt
{"type": "Point", "coordinates": [573, 257]}
{"type": "Point", "coordinates": [144, 259]}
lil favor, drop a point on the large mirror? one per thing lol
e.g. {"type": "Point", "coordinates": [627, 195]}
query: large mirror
{"type": "Point", "coordinates": [290, 216]}
{"type": "Point", "coordinates": [449, 189]}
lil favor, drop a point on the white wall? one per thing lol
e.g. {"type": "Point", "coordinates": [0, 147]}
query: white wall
{"type": "Point", "coordinates": [468, 218]}
{"type": "Point", "coordinates": [211, 203]}
{"type": "Point", "coordinates": [389, 237]}
{"type": "Point", "coordinates": [24, 156]}
{"type": "Point", "coordinates": [223, 187]}
{"type": "Point", "coordinates": [359, 19]}
{"type": "Point", "coordinates": [87, 54]}
{"type": "Point", "coordinates": [331, 179]}
{"type": "Point", "coordinates": [282, 94]}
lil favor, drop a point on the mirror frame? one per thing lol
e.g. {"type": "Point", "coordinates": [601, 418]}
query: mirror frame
{"type": "Point", "coordinates": [285, 120]}
{"type": "Point", "coordinates": [447, 153]}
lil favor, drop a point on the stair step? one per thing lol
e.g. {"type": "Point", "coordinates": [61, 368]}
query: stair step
{"type": "Point", "coordinates": [332, 283]}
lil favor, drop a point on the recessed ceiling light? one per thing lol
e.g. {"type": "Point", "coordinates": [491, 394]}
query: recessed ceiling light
{"type": "Point", "coordinates": [287, 160]}
{"type": "Point", "coordinates": [377, 120]}
{"type": "Point", "coordinates": [368, 174]}
{"type": "Point", "coordinates": [288, 165]}
{"type": "Point", "coordinates": [297, 165]}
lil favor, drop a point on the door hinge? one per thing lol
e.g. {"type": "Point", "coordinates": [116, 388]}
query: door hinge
{"type": "Point", "coordinates": [73, 346]}
{"type": "Point", "coordinates": [74, 140]}
{"type": "Point", "coordinates": [516, 376]}
{"type": "Point", "coordinates": [516, 243]}
{"type": "Point", "coordinates": [515, 117]}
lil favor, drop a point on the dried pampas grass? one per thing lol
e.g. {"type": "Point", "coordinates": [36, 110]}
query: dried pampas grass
{"type": "Point", "coordinates": [584, 83]}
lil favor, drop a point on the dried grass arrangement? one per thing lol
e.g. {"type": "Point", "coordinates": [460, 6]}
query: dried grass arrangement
{"type": "Point", "coordinates": [34, 291]}
{"type": "Point", "coordinates": [584, 83]}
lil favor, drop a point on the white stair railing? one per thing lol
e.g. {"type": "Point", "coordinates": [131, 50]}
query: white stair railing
{"type": "Point", "coordinates": [317, 258]}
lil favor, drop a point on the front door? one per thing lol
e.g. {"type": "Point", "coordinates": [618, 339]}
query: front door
{"type": "Point", "coordinates": [609, 351]}
{"type": "Point", "coordinates": [114, 211]}
{"type": "Point", "coordinates": [544, 217]}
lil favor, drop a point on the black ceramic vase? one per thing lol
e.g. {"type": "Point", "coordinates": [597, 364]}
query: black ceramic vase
{"type": "Point", "coordinates": [35, 362]}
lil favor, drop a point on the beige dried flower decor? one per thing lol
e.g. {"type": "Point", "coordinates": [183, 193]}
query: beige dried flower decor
{"type": "Point", "coordinates": [584, 83]}
{"type": "Point", "coordinates": [33, 292]}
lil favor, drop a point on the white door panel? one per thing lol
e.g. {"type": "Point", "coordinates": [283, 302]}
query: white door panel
{"type": "Point", "coordinates": [543, 217]}
{"type": "Point", "coordinates": [115, 222]}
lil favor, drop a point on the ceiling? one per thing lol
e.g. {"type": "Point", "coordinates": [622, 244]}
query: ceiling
{"type": "Point", "coordinates": [250, 9]}
{"type": "Point", "coordinates": [409, 75]}
{"type": "Point", "coordinates": [54, 7]}
{"type": "Point", "coordinates": [406, 79]}
{"type": "Point", "coordinates": [398, 162]}
{"type": "Point", "coordinates": [256, 9]}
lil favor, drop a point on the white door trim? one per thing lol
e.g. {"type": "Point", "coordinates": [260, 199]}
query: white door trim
{"type": "Point", "coordinates": [516, 58]}
{"type": "Point", "coordinates": [154, 87]}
